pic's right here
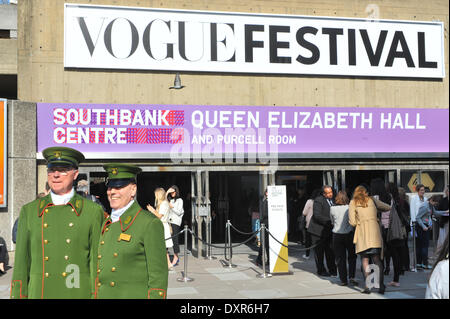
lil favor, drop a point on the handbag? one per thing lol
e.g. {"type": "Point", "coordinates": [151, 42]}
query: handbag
{"type": "Point", "coordinates": [396, 229]}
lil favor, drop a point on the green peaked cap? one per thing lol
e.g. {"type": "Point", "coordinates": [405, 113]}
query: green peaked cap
{"type": "Point", "coordinates": [120, 175]}
{"type": "Point", "coordinates": [62, 156]}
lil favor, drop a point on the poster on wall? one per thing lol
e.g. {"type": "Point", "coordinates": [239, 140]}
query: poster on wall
{"type": "Point", "coordinates": [3, 152]}
{"type": "Point", "coordinates": [218, 133]}
{"type": "Point", "coordinates": [277, 207]}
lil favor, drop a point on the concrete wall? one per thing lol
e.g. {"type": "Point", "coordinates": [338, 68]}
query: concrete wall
{"type": "Point", "coordinates": [8, 47]}
{"type": "Point", "coordinates": [8, 56]}
{"type": "Point", "coordinates": [8, 17]}
{"type": "Point", "coordinates": [21, 164]}
{"type": "Point", "coordinates": [42, 77]}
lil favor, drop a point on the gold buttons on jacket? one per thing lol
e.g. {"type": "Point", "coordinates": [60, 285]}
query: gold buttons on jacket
{"type": "Point", "coordinates": [45, 241]}
{"type": "Point", "coordinates": [46, 210]}
{"type": "Point", "coordinates": [99, 256]}
{"type": "Point", "coordinates": [66, 257]}
{"type": "Point", "coordinates": [107, 229]}
{"type": "Point", "coordinates": [46, 275]}
{"type": "Point", "coordinates": [46, 258]}
{"type": "Point", "coordinates": [160, 293]}
{"type": "Point", "coordinates": [70, 224]}
{"type": "Point", "coordinates": [64, 274]}
{"type": "Point", "coordinates": [115, 254]}
{"type": "Point", "coordinates": [99, 284]}
{"type": "Point", "coordinates": [113, 269]}
{"type": "Point", "coordinates": [45, 225]}
{"type": "Point", "coordinates": [68, 240]}
{"type": "Point", "coordinates": [98, 271]}
{"type": "Point", "coordinates": [102, 242]}
{"type": "Point", "coordinates": [112, 284]}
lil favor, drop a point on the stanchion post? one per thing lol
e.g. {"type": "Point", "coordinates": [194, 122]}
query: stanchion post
{"type": "Point", "coordinates": [185, 277]}
{"type": "Point", "coordinates": [263, 257]}
{"type": "Point", "coordinates": [230, 253]}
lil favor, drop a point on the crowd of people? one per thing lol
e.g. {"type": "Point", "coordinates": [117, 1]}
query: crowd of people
{"type": "Point", "coordinates": [375, 224]}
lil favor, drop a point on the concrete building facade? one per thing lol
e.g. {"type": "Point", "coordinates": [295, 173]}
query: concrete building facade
{"type": "Point", "coordinates": [42, 78]}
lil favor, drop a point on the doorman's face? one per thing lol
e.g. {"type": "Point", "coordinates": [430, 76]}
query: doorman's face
{"type": "Point", "coordinates": [120, 197]}
{"type": "Point", "coordinates": [61, 179]}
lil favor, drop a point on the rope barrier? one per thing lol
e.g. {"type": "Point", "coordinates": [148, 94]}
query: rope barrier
{"type": "Point", "coordinates": [243, 233]}
{"type": "Point", "coordinates": [263, 228]}
{"type": "Point", "coordinates": [215, 246]}
{"type": "Point", "coordinates": [298, 249]}
{"type": "Point", "coordinates": [176, 235]}
{"type": "Point", "coordinates": [253, 235]}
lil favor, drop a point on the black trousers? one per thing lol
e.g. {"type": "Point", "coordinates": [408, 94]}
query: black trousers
{"type": "Point", "coordinates": [387, 251]}
{"type": "Point", "coordinates": [405, 256]}
{"type": "Point", "coordinates": [344, 251]}
{"type": "Point", "coordinates": [176, 246]}
{"type": "Point", "coordinates": [422, 243]}
{"type": "Point", "coordinates": [308, 242]}
{"type": "Point", "coordinates": [3, 252]}
{"type": "Point", "coordinates": [395, 249]}
{"type": "Point", "coordinates": [323, 249]}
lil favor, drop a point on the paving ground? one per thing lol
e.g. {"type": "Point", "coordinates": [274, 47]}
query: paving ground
{"type": "Point", "coordinates": [214, 281]}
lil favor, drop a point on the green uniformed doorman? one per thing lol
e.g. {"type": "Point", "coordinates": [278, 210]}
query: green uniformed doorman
{"type": "Point", "coordinates": [57, 236]}
{"type": "Point", "coordinates": [132, 260]}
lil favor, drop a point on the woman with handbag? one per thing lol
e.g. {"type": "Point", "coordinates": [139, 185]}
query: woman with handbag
{"type": "Point", "coordinates": [396, 235]}
{"type": "Point", "coordinates": [162, 212]}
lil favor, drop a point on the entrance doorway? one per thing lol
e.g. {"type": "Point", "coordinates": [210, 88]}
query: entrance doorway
{"type": "Point", "coordinates": [299, 187]}
{"type": "Point", "coordinates": [231, 196]}
{"type": "Point", "coordinates": [355, 178]}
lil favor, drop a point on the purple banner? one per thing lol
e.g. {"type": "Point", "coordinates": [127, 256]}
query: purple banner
{"type": "Point", "coordinates": [159, 130]}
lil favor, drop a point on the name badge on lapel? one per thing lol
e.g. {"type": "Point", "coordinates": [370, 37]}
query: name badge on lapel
{"type": "Point", "coordinates": [125, 237]}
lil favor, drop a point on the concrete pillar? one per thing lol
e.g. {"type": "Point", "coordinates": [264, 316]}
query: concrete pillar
{"type": "Point", "coordinates": [21, 164]}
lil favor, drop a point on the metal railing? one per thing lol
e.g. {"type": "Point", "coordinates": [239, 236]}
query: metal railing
{"type": "Point", "coordinates": [228, 248]}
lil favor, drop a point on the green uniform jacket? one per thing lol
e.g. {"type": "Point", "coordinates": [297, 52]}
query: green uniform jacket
{"type": "Point", "coordinates": [56, 251]}
{"type": "Point", "coordinates": [132, 261]}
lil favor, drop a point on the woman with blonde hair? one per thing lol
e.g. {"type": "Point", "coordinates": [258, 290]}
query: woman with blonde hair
{"type": "Point", "coordinates": [363, 216]}
{"type": "Point", "coordinates": [161, 211]}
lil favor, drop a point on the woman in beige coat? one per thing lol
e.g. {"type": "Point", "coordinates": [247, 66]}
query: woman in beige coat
{"type": "Point", "coordinates": [363, 216]}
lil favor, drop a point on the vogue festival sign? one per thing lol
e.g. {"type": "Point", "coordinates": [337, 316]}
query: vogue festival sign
{"type": "Point", "coordinates": [109, 37]}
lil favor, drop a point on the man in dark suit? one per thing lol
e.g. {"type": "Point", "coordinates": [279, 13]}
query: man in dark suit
{"type": "Point", "coordinates": [320, 228]}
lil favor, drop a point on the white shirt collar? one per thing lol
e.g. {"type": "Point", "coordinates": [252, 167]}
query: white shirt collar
{"type": "Point", "coordinates": [115, 214]}
{"type": "Point", "coordinates": [62, 199]}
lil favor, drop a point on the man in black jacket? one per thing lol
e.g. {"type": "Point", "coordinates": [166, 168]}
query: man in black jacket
{"type": "Point", "coordinates": [321, 230]}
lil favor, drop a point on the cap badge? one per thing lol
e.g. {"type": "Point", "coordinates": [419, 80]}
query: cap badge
{"type": "Point", "coordinates": [114, 171]}
{"type": "Point", "coordinates": [57, 154]}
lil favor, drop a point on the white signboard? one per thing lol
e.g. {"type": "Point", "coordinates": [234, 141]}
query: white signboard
{"type": "Point", "coordinates": [107, 37]}
{"type": "Point", "coordinates": [278, 228]}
